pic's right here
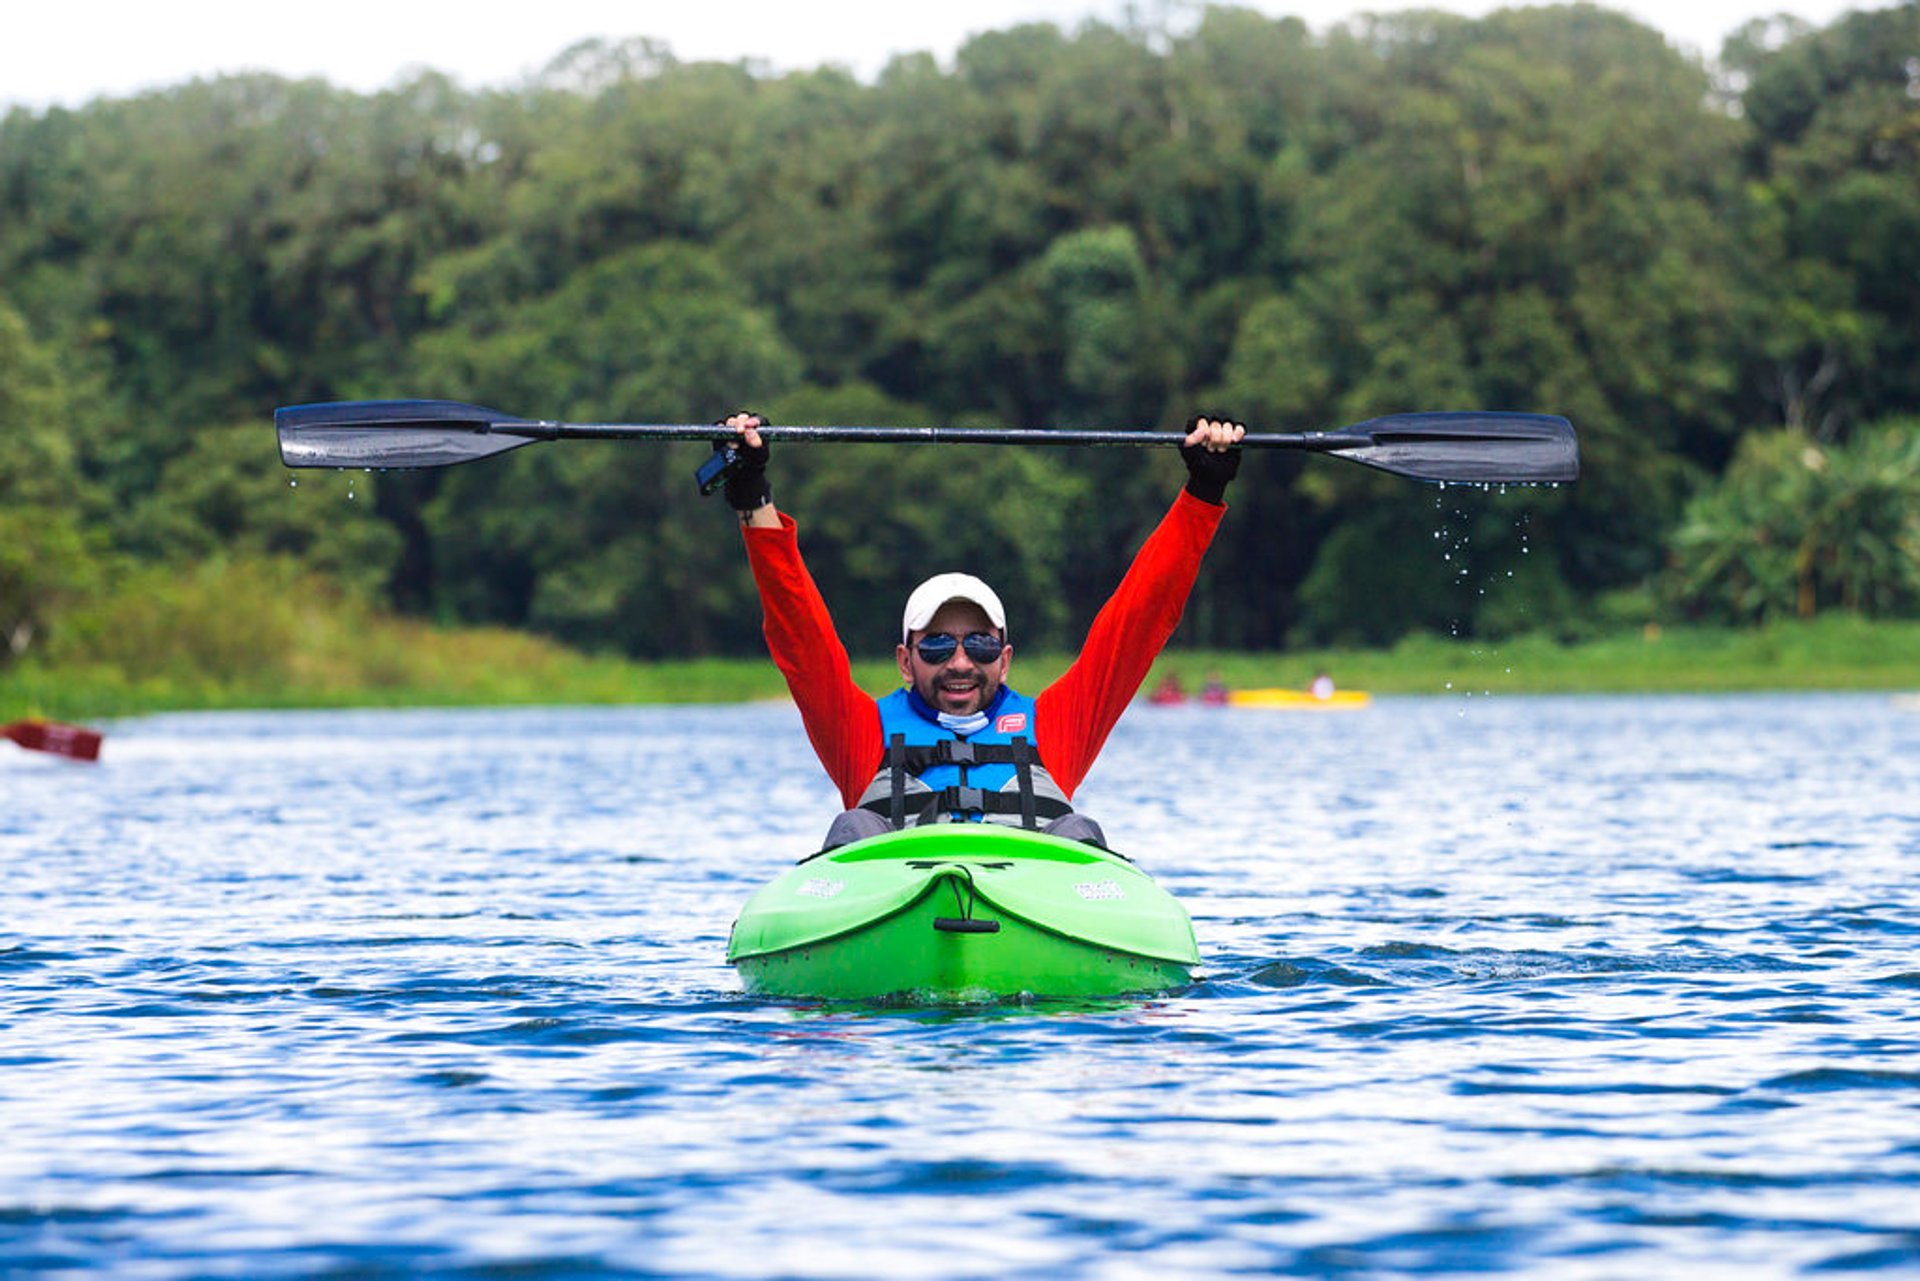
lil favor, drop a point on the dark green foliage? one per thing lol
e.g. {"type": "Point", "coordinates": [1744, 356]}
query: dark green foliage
{"type": "Point", "coordinates": [228, 493]}
{"type": "Point", "coordinates": [1836, 150]}
{"type": "Point", "coordinates": [1797, 527]}
{"type": "Point", "coordinates": [628, 558]}
{"type": "Point", "coordinates": [876, 519]}
{"type": "Point", "coordinates": [47, 555]}
{"type": "Point", "coordinates": [1548, 209]}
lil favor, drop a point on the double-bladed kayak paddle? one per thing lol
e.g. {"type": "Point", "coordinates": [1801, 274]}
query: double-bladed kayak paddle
{"type": "Point", "coordinates": [1466, 447]}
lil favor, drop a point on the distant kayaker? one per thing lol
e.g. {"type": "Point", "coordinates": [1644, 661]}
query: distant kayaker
{"type": "Point", "coordinates": [1169, 692]}
{"type": "Point", "coordinates": [956, 742]}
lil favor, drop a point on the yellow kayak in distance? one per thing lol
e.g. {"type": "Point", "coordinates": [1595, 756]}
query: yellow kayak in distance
{"type": "Point", "coordinates": [1300, 700]}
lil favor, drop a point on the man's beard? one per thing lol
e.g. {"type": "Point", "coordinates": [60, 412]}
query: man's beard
{"type": "Point", "coordinates": [974, 685]}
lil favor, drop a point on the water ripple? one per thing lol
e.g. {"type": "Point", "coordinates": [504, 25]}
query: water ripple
{"type": "Point", "coordinates": [1586, 988]}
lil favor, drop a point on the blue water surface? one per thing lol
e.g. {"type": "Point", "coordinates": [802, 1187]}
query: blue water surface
{"type": "Point", "coordinates": [1568, 987]}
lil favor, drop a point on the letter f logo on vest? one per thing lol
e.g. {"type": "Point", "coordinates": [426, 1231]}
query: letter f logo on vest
{"type": "Point", "coordinates": [1011, 723]}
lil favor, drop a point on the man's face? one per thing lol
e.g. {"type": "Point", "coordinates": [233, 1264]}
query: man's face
{"type": "Point", "coordinates": [959, 685]}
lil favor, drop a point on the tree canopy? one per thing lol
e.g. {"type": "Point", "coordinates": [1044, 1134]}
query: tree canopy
{"type": "Point", "coordinates": [1548, 209]}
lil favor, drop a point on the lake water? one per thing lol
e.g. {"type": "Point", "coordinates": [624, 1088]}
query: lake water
{"type": "Point", "coordinates": [1599, 987]}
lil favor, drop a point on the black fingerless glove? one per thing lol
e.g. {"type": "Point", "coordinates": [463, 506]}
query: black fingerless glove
{"type": "Point", "coordinates": [747, 487]}
{"type": "Point", "coordinates": [1208, 472]}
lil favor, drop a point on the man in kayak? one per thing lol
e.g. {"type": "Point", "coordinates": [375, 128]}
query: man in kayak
{"type": "Point", "coordinates": [956, 741]}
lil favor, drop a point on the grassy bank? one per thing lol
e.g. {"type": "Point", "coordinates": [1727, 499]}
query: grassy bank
{"type": "Point", "coordinates": [393, 663]}
{"type": "Point", "coordinates": [1830, 653]}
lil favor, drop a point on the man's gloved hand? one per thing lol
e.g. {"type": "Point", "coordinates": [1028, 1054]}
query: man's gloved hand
{"type": "Point", "coordinates": [1212, 455]}
{"type": "Point", "coordinates": [747, 487]}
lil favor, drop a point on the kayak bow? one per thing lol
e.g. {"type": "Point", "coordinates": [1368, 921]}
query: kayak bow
{"type": "Point", "coordinates": [961, 912]}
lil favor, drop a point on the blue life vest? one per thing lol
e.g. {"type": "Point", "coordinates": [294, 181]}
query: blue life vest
{"type": "Point", "coordinates": [933, 774]}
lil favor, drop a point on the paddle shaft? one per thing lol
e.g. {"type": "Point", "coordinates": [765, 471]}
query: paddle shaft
{"type": "Point", "coordinates": [1323, 441]}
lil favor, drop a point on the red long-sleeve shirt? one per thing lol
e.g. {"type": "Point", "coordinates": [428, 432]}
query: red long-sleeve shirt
{"type": "Point", "coordinates": [1072, 716]}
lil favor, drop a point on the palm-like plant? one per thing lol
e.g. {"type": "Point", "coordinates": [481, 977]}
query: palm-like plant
{"type": "Point", "coordinates": [1795, 527]}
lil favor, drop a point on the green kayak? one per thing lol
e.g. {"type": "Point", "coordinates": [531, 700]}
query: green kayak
{"type": "Point", "coordinates": [956, 912]}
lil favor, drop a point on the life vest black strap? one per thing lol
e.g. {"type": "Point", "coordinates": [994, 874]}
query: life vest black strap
{"type": "Point", "coordinates": [968, 801]}
{"type": "Point", "coordinates": [1029, 806]}
{"type": "Point", "coordinates": [962, 801]}
{"type": "Point", "coordinates": [957, 751]}
{"type": "Point", "coordinates": [928, 807]}
{"type": "Point", "coordinates": [896, 766]}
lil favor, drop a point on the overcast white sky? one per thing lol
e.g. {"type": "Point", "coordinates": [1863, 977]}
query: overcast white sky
{"type": "Point", "coordinates": [70, 51]}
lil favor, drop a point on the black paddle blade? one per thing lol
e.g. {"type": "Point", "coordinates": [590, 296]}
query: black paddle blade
{"type": "Point", "coordinates": [1472, 448]}
{"type": "Point", "coordinates": [393, 433]}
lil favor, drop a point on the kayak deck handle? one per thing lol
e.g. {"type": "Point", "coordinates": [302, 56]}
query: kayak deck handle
{"type": "Point", "coordinates": [922, 864]}
{"type": "Point", "coordinates": [960, 876]}
{"type": "Point", "coordinates": [964, 925]}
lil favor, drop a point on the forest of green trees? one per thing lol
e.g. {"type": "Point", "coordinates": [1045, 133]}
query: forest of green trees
{"type": "Point", "coordinates": [1712, 269]}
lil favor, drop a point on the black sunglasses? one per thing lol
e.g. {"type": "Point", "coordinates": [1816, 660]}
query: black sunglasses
{"type": "Point", "coordinates": [981, 647]}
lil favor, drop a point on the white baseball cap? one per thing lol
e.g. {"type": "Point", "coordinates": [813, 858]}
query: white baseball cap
{"type": "Point", "coordinates": [929, 596]}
